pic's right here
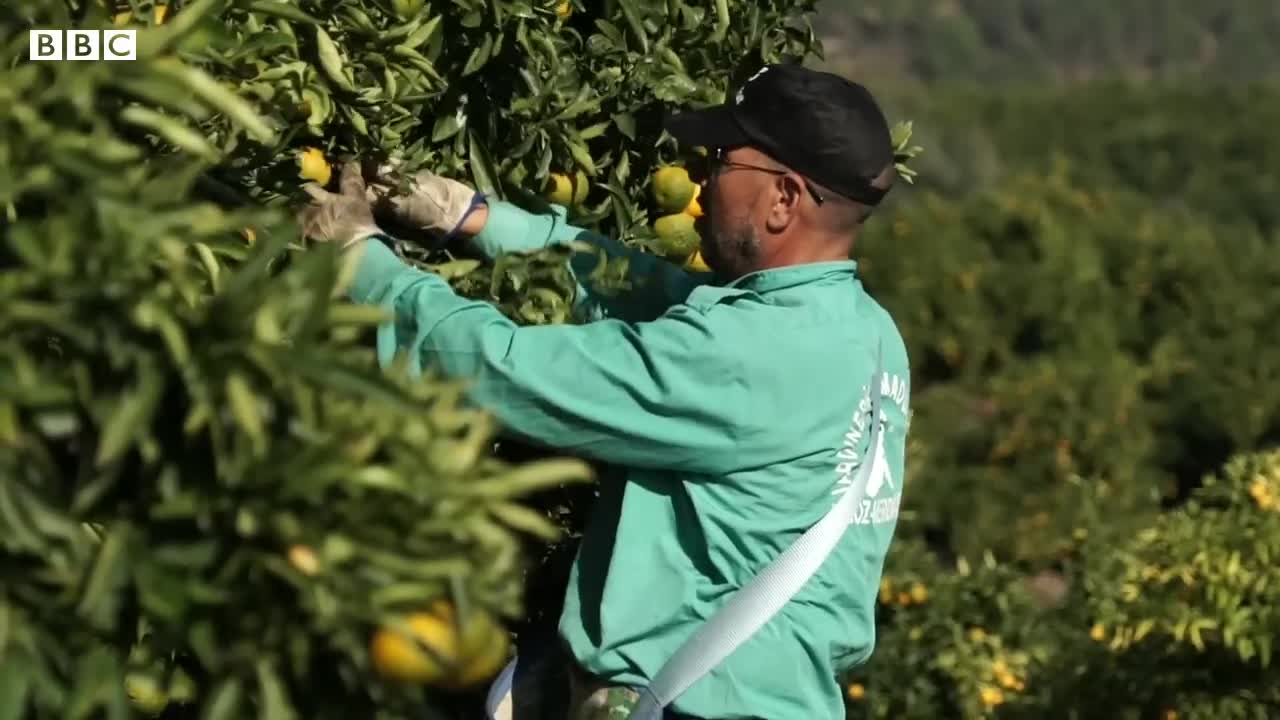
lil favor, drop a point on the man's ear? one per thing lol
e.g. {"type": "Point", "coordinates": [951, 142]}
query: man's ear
{"type": "Point", "coordinates": [788, 192]}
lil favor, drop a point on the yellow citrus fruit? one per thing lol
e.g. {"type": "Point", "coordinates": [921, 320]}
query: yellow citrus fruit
{"type": "Point", "coordinates": [568, 191]}
{"type": "Point", "coordinates": [676, 235]}
{"type": "Point", "coordinates": [313, 166]}
{"type": "Point", "coordinates": [564, 9]}
{"type": "Point", "coordinates": [440, 652]}
{"type": "Point", "coordinates": [145, 694]}
{"type": "Point", "coordinates": [672, 189]}
{"type": "Point", "coordinates": [695, 208]}
{"type": "Point", "coordinates": [919, 593]}
{"type": "Point", "coordinates": [696, 263]}
{"type": "Point", "coordinates": [991, 696]}
{"type": "Point", "coordinates": [856, 691]}
{"type": "Point", "coordinates": [304, 560]}
{"type": "Point", "coordinates": [403, 658]}
{"type": "Point", "coordinates": [158, 14]}
{"type": "Point", "coordinates": [407, 9]}
{"type": "Point", "coordinates": [485, 648]}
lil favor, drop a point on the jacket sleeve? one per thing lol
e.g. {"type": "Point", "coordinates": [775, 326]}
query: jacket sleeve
{"type": "Point", "coordinates": [655, 284]}
{"type": "Point", "coordinates": [649, 395]}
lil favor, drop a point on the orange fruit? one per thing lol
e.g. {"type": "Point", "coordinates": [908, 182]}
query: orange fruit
{"type": "Point", "coordinates": [695, 208]}
{"type": "Point", "coordinates": [442, 651]}
{"type": "Point", "coordinates": [313, 166]}
{"type": "Point", "coordinates": [672, 189]}
{"type": "Point", "coordinates": [676, 235]}
{"type": "Point", "coordinates": [695, 263]}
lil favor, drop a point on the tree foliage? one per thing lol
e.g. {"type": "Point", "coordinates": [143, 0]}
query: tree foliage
{"type": "Point", "coordinates": [208, 487]}
{"type": "Point", "coordinates": [1172, 618]}
{"type": "Point", "coordinates": [1203, 149]}
{"type": "Point", "coordinates": [1058, 330]}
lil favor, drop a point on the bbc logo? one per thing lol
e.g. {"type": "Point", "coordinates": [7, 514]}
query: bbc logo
{"type": "Point", "coordinates": [84, 44]}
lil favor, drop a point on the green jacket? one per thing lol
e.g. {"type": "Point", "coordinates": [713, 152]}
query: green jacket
{"type": "Point", "coordinates": [739, 413]}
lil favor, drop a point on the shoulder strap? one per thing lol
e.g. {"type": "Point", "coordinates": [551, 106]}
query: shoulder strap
{"type": "Point", "coordinates": [758, 601]}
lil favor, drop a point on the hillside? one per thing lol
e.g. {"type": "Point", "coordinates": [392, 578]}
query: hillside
{"type": "Point", "coordinates": [1035, 41]}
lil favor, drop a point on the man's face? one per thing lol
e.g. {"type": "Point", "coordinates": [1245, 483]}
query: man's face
{"type": "Point", "coordinates": [735, 202]}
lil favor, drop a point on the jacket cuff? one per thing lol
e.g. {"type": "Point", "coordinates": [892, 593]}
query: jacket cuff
{"type": "Point", "coordinates": [510, 228]}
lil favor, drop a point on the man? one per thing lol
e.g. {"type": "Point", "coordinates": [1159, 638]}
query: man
{"type": "Point", "coordinates": [737, 402]}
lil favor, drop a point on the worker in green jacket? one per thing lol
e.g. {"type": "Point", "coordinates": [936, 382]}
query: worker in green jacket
{"type": "Point", "coordinates": [737, 401]}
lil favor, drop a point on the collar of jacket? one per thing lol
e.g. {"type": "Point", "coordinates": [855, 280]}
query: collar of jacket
{"type": "Point", "coordinates": [765, 281]}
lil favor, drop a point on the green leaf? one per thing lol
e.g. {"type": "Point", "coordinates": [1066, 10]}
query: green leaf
{"type": "Point", "coordinates": [482, 168]}
{"type": "Point", "coordinates": [631, 14]}
{"type": "Point", "coordinates": [99, 599]}
{"type": "Point", "coordinates": [479, 56]}
{"type": "Point", "coordinates": [131, 416]}
{"type": "Point", "coordinates": [274, 698]}
{"type": "Point", "coordinates": [15, 682]}
{"type": "Point", "coordinates": [340, 378]}
{"type": "Point", "coordinates": [285, 10]}
{"type": "Point", "coordinates": [592, 132]}
{"type": "Point", "coordinates": [98, 683]}
{"type": "Point", "coordinates": [224, 702]}
{"type": "Point", "coordinates": [530, 477]}
{"type": "Point", "coordinates": [526, 520]}
{"type": "Point", "coordinates": [244, 408]}
{"type": "Point", "coordinates": [259, 45]}
{"type": "Point", "coordinates": [722, 20]}
{"type": "Point", "coordinates": [446, 126]}
{"type": "Point", "coordinates": [611, 31]}
{"type": "Point", "coordinates": [20, 532]}
{"type": "Point", "coordinates": [331, 60]}
{"type": "Point", "coordinates": [159, 39]}
{"type": "Point", "coordinates": [171, 130]}
{"type": "Point", "coordinates": [220, 98]}
{"type": "Point", "coordinates": [581, 155]}
{"type": "Point", "coordinates": [423, 34]}
{"type": "Point", "coordinates": [626, 123]}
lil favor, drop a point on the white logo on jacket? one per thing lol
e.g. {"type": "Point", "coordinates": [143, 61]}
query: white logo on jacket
{"type": "Point", "coordinates": [739, 97]}
{"type": "Point", "coordinates": [872, 509]}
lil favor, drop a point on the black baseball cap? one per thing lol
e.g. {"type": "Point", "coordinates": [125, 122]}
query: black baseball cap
{"type": "Point", "coordinates": [823, 126]}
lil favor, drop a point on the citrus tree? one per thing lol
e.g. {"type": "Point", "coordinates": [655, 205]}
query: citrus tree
{"type": "Point", "coordinates": [1174, 618]}
{"type": "Point", "coordinates": [212, 499]}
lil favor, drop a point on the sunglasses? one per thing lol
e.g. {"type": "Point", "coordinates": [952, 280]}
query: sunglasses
{"type": "Point", "coordinates": [718, 161]}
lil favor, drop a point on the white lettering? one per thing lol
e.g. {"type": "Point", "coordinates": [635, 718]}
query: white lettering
{"type": "Point", "coordinates": [46, 45]}
{"type": "Point", "coordinates": [849, 456]}
{"type": "Point", "coordinates": [120, 44]}
{"type": "Point", "coordinates": [83, 45]}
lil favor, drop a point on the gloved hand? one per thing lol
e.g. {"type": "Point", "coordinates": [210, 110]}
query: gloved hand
{"type": "Point", "coordinates": [346, 217]}
{"type": "Point", "coordinates": [433, 203]}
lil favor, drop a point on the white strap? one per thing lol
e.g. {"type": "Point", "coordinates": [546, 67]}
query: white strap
{"type": "Point", "coordinates": [760, 599]}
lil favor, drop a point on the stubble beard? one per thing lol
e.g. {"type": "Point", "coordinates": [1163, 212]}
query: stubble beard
{"type": "Point", "coordinates": [734, 251]}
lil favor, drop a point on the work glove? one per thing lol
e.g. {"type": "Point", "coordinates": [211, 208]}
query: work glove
{"type": "Point", "coordinates": [432, 203]}
{"type": "Point", "coordinates": [346, 217]}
